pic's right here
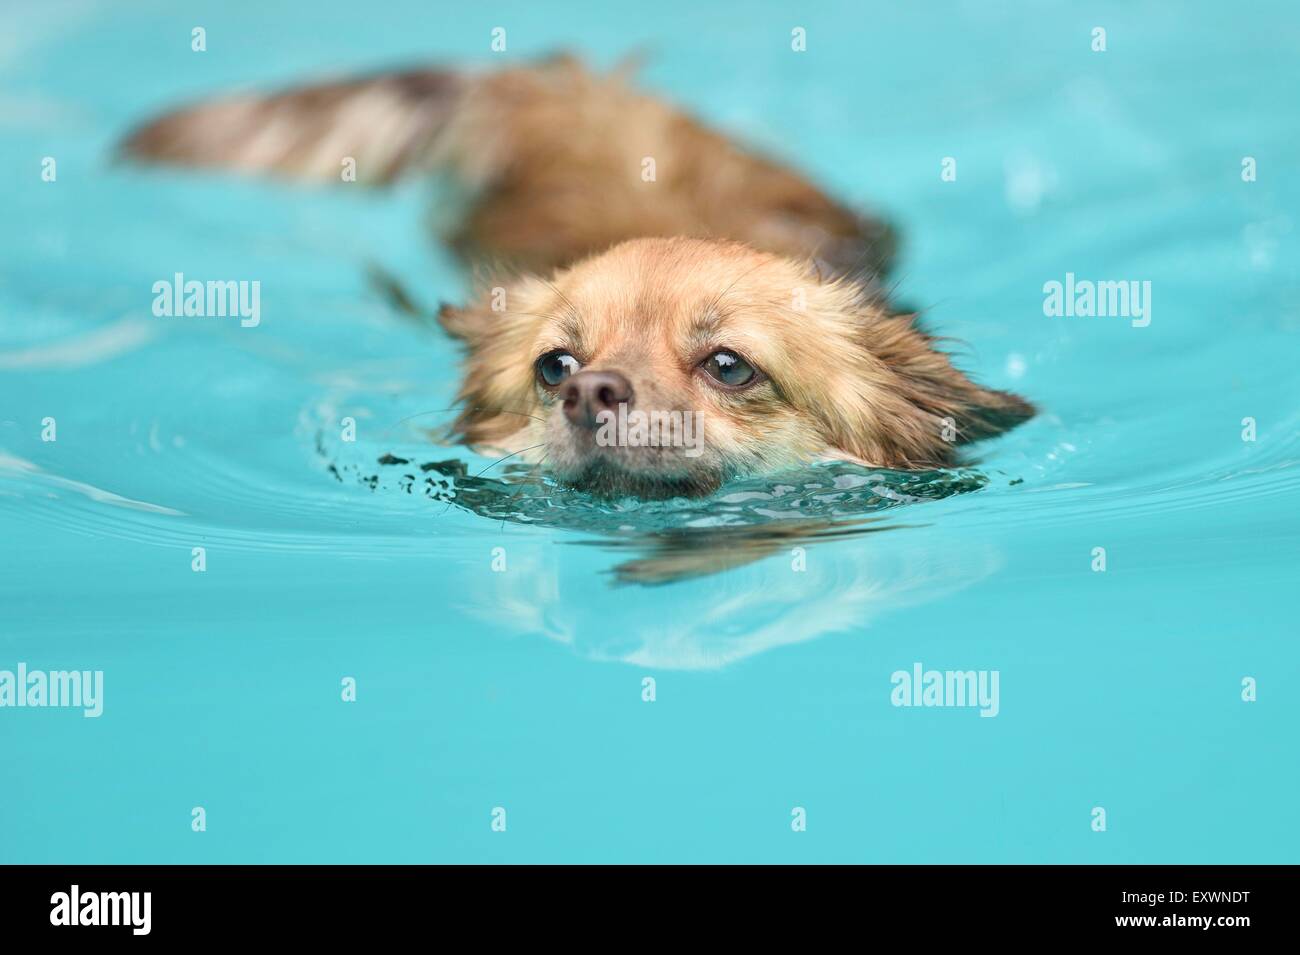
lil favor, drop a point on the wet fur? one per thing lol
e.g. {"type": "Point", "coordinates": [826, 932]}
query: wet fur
{"type": "Point", "coordinates": [544, 161]}
{"type": "Point", "coordinates": [847, 379]}
{"type": "Point", "coordinates": [726, 249]}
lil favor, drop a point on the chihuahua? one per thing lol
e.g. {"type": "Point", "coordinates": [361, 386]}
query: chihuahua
{"type": "Point", "coordinates": [682, 311]}
{"type": "Point", "coordinates": [731, 361]}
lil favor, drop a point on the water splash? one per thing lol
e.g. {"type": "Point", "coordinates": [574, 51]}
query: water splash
{"type": "Point", "coordinates": [678, 538]}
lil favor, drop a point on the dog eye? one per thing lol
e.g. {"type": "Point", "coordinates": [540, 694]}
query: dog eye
{"type": "Point", "coordinates": [729, 368]}
{"type": "Point", "coordinates": [554, 367]}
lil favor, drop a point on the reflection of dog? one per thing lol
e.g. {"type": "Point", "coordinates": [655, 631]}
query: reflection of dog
{"type": "Point", "coordinates": [723, 289]}
{"type": "Point", "coordinates": [683, 553]}
{"type": "Point", "coordinates": [704, 625]}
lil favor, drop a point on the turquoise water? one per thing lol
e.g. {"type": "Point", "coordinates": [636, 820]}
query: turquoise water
{"type": "Point", "coordinates": [771, 618]}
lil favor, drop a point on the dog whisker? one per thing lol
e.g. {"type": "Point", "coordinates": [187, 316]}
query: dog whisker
{"type": "Point", "coordinates": [508, 457]}
{"type": "Point", "coordinates": [531, 474]}
{"type": "Point", "coordinates": [564, 298]}
{"type": "Point", "coordinates": [717, 299]}
{"type": "Point", "coordinates": [422, 414]}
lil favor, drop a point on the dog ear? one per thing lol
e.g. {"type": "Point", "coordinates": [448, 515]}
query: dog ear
{"type": "Point", "coordinates": [497, 329]}
{"type": "Point", "coordinates": [913, 407]}
{"type": "Point", "coordinates": [463, 322]}
{"type": "Point", "coordinates": [504, 302]}
{"type": "Point", "coordinates": [945, 406]}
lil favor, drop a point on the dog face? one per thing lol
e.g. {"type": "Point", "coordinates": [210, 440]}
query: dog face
{"type": "Point", "coordinates": [665, 367]}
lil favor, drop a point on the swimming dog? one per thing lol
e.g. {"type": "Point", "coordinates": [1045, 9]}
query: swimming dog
{"type": "Point", "coordinates": [779, 364]}
{"type": "Point", "coordinates": [725, 306]}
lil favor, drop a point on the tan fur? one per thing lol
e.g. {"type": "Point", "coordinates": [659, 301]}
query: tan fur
{"type": "Point", "coordinates": [724, 249]}
{"type": "Point", "coordinates": [390, 124]}
{"type": "Point", "coordinates": [847, 379]}
{"type": "Point", "coordinates": [546, 161]}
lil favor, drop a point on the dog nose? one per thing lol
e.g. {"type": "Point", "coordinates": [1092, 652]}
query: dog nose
{"type": "Point", "coordinates": [588, 393]}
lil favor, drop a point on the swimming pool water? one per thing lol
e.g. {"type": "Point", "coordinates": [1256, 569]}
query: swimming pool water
{"type": "Point", "coordinates": [500, 634]}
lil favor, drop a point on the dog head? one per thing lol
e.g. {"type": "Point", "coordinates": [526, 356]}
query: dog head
{"type": "Point", "coordinates": [665, 367]}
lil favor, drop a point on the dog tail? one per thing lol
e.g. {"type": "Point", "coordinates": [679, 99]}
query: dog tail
{"type": "Point", "coordinates": [546, 162]}
{"type": "Point", "coordinates": [370, 130]}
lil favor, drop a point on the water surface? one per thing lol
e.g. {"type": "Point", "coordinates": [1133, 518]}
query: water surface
{"type": "Point", "coordinates": [772, 617]}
